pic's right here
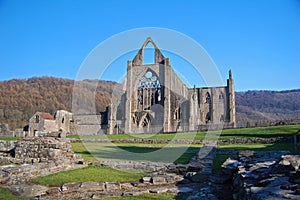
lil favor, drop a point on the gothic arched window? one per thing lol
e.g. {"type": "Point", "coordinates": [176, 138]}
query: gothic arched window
{"type": "Point", "coordinates": [149, 80]}
{"type": "Point", "coordinates": [207, 99]}
{"type": "Point", "coordinates": [149, 91]}
{"type": "Point", "coordinates": [177, 114]}
{"type": "Point", "coordinates": [221, 97]}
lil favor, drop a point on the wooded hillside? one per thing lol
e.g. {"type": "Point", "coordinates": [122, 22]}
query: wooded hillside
{"type": "Point", "coordinates": [20, 99]}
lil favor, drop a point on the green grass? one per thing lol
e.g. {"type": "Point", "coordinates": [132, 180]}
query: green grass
{"type": "Point", "coordinates": [260, 147]}
{"type": "Point", "coordinates": [134, 151]}
{"type": "Point", "coordinates": [164, 196]}
{"type": "Point", "coordinates": [89, 173]}
{"type": "Point", "coordinates": [7, 195]}
{"type": "Point", "coordinates": [184, 158]}
{"type": "Point", "coordinates": [260, 132]}
{"type": "Point", "coordinates": [10, 138]}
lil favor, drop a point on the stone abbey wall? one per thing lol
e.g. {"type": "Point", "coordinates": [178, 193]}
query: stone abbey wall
{"type": "Point", "coordinates": [32, 157]}
{"type": "Point", "coordinates": [154, 99]}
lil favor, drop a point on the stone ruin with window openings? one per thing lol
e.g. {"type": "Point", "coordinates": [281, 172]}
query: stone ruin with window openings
{"type": "Point", "coordinates": [154, 99]}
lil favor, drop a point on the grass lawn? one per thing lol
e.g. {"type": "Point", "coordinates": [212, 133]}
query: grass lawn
{"type": "Point", "coordinates": [260, 147]}
{"type": "Point", "coordinates": [134, 151]}
{"type": "Point", "coordinates": [7, 195]}
{"type": "Point", "coordinates": [89, 173]}
{"type": "Point", "coordinates": [261, 132]}
{"type": "Point", "coordinates": [10, 138]}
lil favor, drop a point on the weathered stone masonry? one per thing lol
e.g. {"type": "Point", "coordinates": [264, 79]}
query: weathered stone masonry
{"type": "Point", "coordinates": [154, 99]}
{"type": "Point", "coordinates": [32, 157]}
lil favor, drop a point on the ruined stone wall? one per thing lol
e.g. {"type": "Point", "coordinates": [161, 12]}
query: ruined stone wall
{"type": "Point", "coordinates": [63, 120]}
{"type": "Point", "coordinates": [186, 141]}
{"type": "Point", "coordinates": [34, 126]}
{"type": "Point", "coordinates": [87, 124]}
{"type": "Point", "coordinates": [6, 146]}
{"type": "Point", "coordinates": [49, 126]}
{"type": "Point", "coordinates": [4, 131]}
{"type": "Point", "coordinates": [88, 129]}
{"type": "Point", "coordinates": [35, 157]}
{"type": "Point", "coordinates": [18, 174]}
{"type": "Point", "coordinates": [264, 175]}
{"type": "Point", "coordinates": [182, 108]}
{"type": "Point", "coordinates": [42, 149]}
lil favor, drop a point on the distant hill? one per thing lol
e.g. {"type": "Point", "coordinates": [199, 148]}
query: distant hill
{"type": "Point", "coordinates": [268, 105]}
{"type": "Point", "coordinates": [20, 99]}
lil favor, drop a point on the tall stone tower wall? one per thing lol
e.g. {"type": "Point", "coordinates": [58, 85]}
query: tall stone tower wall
{"type": "Point", "coordinates": [154, 99]}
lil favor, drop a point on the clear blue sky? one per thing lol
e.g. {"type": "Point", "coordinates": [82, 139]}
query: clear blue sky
{"type": "Point", "coordinates": [258, 39]}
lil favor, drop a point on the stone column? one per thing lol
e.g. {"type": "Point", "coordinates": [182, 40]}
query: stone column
{"type": "Point", "coordinates": [128, 97]}
{"type": "Point", "coordinates": [231, 99]}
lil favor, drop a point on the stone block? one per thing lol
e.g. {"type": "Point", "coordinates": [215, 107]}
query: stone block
{"type": "Point", "coordinates": [200, 177]}
{"type": "Point", "coordinates": [146, 179]}
{"type": "Point", "coordinates": [53, 191]}
{"type": "Point", "coordinates": [189, 175]}
{"type": "Point", "coordinates": [292, 160]}
{"type": "Point", "coordinates": [92, 186]}
{"type": "Point", "coordinates": [126, 186]}
{"type": "Point", "coordinates": [230, 166]}
{"type": "Point", "coordinates": [135, 192]}
{"type": "Point", "coordinates": [158, 180]}
{"type": "Point", "coordinates": [70, 186]}
{"type": "Point", "coordinates": [172, 178]}
{"type": "Point", "coordinates": [159, 190]}
{"type": "Point", "coordinates": [4, 177]}
{"type": "Point", "coordinates": [29, 191]}
{"type": "Point", "coordinates": [112, 186]}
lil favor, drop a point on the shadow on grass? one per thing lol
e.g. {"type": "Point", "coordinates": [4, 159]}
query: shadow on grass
{"type": "Point", "coordinates": [92, 151]}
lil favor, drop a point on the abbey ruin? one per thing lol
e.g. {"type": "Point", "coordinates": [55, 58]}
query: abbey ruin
{"type": "Point", "coordinates": [155, 100]}
{"type": "Point", "coordinates": [151, 99]}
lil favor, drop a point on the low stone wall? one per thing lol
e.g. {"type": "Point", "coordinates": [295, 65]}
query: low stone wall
{"type": "Point", "coordinates": [255, 140]}
{"type": "Point", "coordinates": [45, 155]}
{"type": "Point", "coordinates": [18, 174]}
{"type": "Point", "coordinates": [143, 141]}
{"type": "Point", "coordinates": [182, 141]}
{"type": "Point", "coordinates": [264, 175]}
{"type": "Point", "coordinates": [42, 149]}
{"type": "Point", "coordinates": [6, 146]}
{"type": "Point", "coordinates": [132, 165]}
{"type": "Point", "coordinates": [154, 183]}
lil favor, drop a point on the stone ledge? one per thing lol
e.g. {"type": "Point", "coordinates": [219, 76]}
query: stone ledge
{"type": "Point", "coordinates": [183, 141]}
{"type": "Point", "coordinates": [260, 175]}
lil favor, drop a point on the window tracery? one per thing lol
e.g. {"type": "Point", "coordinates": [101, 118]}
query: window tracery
{"type": "Point", "coordinates": [149, 91]}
